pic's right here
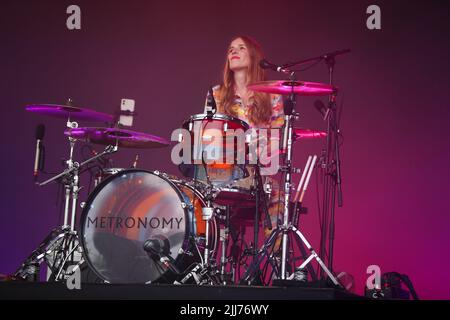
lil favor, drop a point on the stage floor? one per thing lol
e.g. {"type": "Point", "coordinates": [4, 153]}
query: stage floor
{"type": "Point", "coordinates": [88, 291]}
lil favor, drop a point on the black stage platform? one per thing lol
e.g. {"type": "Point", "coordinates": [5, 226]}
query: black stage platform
{"type": "Point", "coordinates": [47, 291]}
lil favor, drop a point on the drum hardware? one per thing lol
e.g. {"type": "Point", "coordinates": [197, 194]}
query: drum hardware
{"type": "Point", "coordinates": [225, 232]}
{"type": "Point", "coordinates": [224, 245]}
{"type": "Point", "coordinates": [300, 274]}
{"type": "Point", "coordinates": [104, 173]}
{"type": "Point", "coordinates": [236, 250]}
{"type": "Point", "coordinates": [260, 198]}
{"type": "Point", "coordinates": [201, 276]}
{"type": "Point", "coordinates": [286, 226]}
{"type": "Point", "coordinates": [268, 188]}
{"type": "Point", "coordinates": [207, 215]}
{"type": "Point", "coordinates": [253, 272]}
{"type": "Point", "coordinates": [214, 174]}
{"type": "Point", "coordinates": [292, 88]}
{"type": "Point", "coordinates": [72, 181]}
{"type": "Point", "coordinates": [61, 246]}
{"type": "Point", "coordinates": [54, 251]}
{"type": "Point", "coordinates": [253, 201]}
{"type": "Point", "coordinates": [332, 177]}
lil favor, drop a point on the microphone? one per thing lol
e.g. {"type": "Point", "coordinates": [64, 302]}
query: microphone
{"type": "Point", "coordinates": [211, 107]}
{"type": "Point", "coordinates": [39, 134]}
{"type": "Point", "coordinates": [264, 64]}
{"type": "Point", "coordinates": [285, 136]}
{"type": "Point", "coordinates": [157, 246]}
{"type": "Point", "coordinates": [158, 249]}
{"type": "Point", "coordinates": [335, 53]}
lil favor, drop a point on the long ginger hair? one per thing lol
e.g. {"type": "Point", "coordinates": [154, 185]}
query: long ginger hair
{"type": "Point", "coordinates": [260, 111]}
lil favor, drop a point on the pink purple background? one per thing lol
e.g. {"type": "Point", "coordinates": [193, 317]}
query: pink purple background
{"type": "Point", "coordinates": [165, 54]}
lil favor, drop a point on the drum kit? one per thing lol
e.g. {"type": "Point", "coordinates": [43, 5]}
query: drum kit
{"type": "Point", "coordinates": [141, 226]}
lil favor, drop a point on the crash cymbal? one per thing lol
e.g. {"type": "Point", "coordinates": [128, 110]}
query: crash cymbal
{"type": "Point", "coordinates": [301, 134]}
{"type": "Point", "coordinates": [69, 112]}
{"type": "Point", "coordinates": [124, 138]}
{"type": "Point", "coordinates": [301, 88]}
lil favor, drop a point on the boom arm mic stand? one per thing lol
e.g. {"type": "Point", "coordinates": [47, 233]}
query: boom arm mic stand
{"type": "Point", "coordinates": [332, 167]}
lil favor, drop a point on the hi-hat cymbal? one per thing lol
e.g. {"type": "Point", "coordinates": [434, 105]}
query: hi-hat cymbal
{"type": "Point", "coordinates": [301, 88]}
{"type": "Point", "coordinates": [69, 112]}
{"type": "Point", "coordinates": [301, 134]}
{"type": "Point", "coordinates": [123, 138]}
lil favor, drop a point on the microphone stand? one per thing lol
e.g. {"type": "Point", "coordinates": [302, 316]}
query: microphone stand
{"type": "Point", "coordinates": [325, 57]}
{"type": "Point", "coordinates": [336, 169]}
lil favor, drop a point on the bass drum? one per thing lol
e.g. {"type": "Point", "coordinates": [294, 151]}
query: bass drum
{"type": "Point", "coordinates": [133, 206]}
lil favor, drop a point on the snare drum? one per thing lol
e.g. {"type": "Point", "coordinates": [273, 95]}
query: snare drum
{"type": "Point", "coordinates": [218, 149]}
{"type": "Point", "coordinates": [133, 206]}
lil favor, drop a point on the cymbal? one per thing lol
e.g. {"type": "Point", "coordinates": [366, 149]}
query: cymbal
{"type": "Point", "coordinates": [301, 88]}
{"type": "Point", "coordinates": [124, 138]}
{"type": "Point", "coordinates": [301, 134]}
{"type": "Point", "coordinates": [69, 112]}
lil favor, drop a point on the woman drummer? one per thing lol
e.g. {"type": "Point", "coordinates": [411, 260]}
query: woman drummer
{"type": "Point", "coordinates": [259, 110]}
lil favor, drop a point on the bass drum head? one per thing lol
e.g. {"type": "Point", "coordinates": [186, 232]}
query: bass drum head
{"type": "Point", "coordinates": [122, 213]}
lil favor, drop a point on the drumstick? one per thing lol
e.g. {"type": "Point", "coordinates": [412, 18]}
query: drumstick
{"type": "Point", "coordinates": [307, 179]}
{"type": "Point", "coordinates": [302, 179]}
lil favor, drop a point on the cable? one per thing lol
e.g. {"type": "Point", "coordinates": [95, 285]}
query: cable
{"type": "Point", "coordinates": [307, 67]}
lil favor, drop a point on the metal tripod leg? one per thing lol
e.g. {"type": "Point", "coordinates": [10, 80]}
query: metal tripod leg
{"type": "Point", "coordinates": [304, 255]}
{"type": "Point", "coordinates": [54, 243]}
{"type": "Point", "coordinates": [313, 256]}
{"type": "Point", "coordinates": [262, 253]}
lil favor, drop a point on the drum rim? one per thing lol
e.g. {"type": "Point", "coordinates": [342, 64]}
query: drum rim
{"type": "Point", "coordinates": [113, 169]}
{"type": "Point", "coordinates": [216, 116]}
{"type": "Point", "coordinates": [94, 194]}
